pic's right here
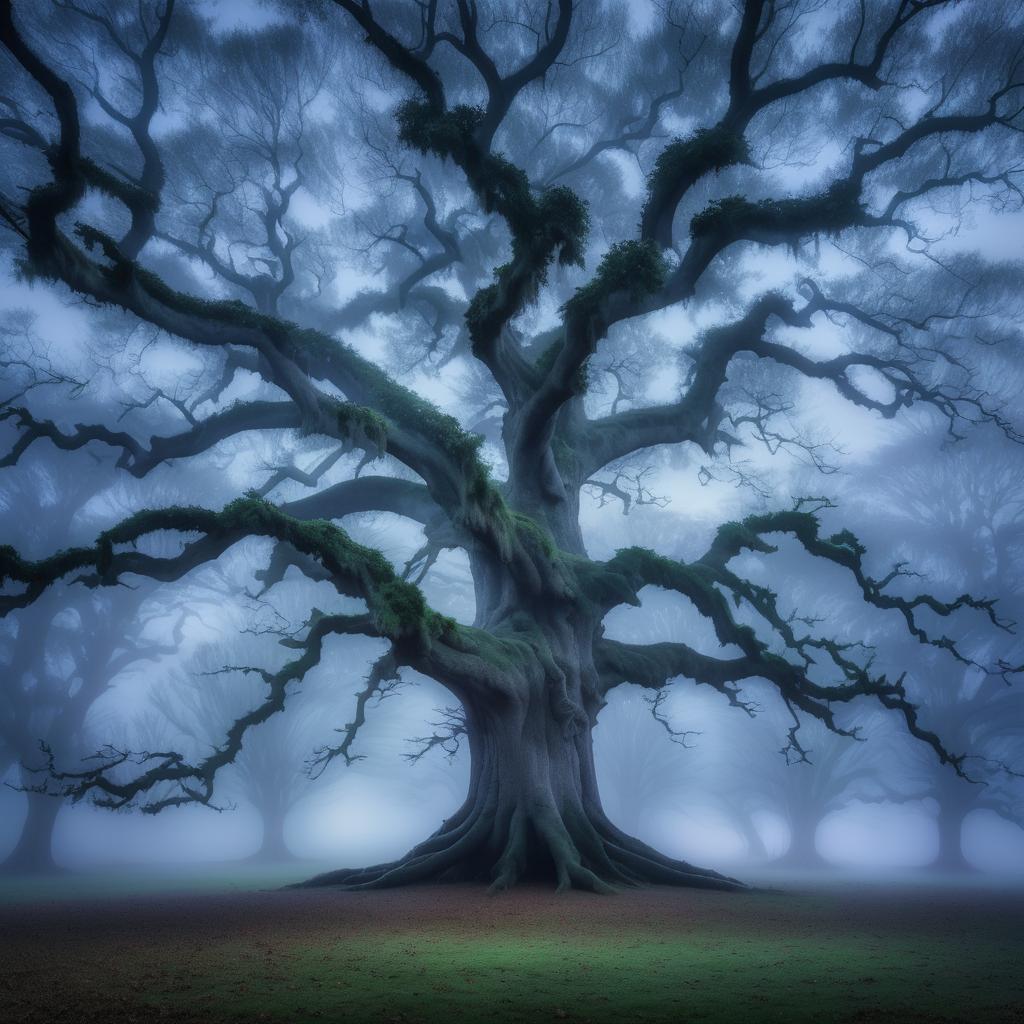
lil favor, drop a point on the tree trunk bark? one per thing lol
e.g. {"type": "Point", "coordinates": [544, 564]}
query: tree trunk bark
{"type": "Point", "coordinates": [34, 851]}
{"type": "Point", "coordinates": [950, 822]}
{"type": "Point", "coordinates": [532, 813]}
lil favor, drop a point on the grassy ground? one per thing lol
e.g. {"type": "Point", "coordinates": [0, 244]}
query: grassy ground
{"type": "Point", "coordinates": [850, 954]}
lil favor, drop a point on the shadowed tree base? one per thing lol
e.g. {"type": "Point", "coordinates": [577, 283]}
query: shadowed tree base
{"type": "Point", "coordinates": [589, 854]}
{"type": "Point", "coordinates": [532, 813]}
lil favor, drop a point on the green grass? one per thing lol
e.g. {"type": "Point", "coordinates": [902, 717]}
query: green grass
{"type": "Point", "coordinates": [714, 976]}
{"type": "Point", "coordinates": [221, 944]}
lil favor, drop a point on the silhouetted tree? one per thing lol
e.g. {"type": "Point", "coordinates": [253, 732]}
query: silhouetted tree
{"type": "Point", "coordinates": [962, 520]}
{"type": "Point", "coordinates": [63, 654]}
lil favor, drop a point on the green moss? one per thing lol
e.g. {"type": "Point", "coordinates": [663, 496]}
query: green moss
{"type": "Point", "coordinates": [733, 537]}
{"type": "Point", "coordinates": [533, 535]}
{"type": "Point", "coordinates": [635, 267]}
{"type": "Point", "coordinates": [602, 586]}
{"type": "Point", "coordinates": [554, 226]}
{"type": "Point", "coordinates": [422, 128]}
{"type": "Point", "coordinates": [721, 215]}
{"type": "Point", "coordinates": [708, 148]}
{"type": "Point", "coordinates": [399, 608]}
{"type": "Point", "coordinates": [565, 218]}
{"type": "Point", "coordinates": [356, 421]}
{"type": "Point", "coordinates": [483, 314]}
{"type": "Point", "coordinates": [684, 160]}
{"type": "Point", "coordinates": [830, 212]}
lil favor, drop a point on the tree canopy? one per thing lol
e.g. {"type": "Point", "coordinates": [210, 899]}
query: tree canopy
{"type": "Point", "coordinates": [513, 257]}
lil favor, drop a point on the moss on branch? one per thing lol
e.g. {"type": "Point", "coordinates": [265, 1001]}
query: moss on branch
{"type": "Point", "coordinates": [708, 149]}
{"type": "Point", "coordinates": [399, 608]}
{"type": "Point", "coordinates": [634, 267]}
{"type": "Point", "coordinates": [735, 216]}
{"type": "Point", "coordinates": [552, 226]}
{"type": "Point", "coordinates": [683, 161]}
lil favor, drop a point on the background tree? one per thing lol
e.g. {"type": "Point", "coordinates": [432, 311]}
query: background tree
{"type": "Point", "coordinates": [961, 521]}
{"type": "Point", "coordinates": [64, 654]}
{"type": "Point", "coordinates": [768, 249]}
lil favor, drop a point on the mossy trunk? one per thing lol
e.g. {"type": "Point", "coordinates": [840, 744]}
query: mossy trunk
{"type": "Point", "coordinates": [532, 812]}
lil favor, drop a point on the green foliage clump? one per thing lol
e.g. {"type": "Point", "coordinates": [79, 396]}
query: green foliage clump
{"type": "Point", "coordinates": [483, 312]}
{"type": "Point", "coordinates": [358, 421]}
{"type": "Point", "coordinates": [733, 537]}
{"type": "Point", "coordinates": [635, 267]}
{"type": "Point", "coordinates": [553, 227]}
{"type": "Point", "coordinates": [449, 135]}
{"type": "Point", "coordinates": [831, 212]}
{"type": "Point", "coordinates": [399, 608]}
{"type": "Point", "coordinates": [565, 218]}
{"type": "Point", "coordinates": [423, 128]}
{"type": "Point", "coordinates": [503, 187]}
{"type": "Point", "coordinates": [708, 149]}
{"type": "Point", "coordinates": [684, 161]}
{"type": "Point", "coordinates": [721, 214]}
{"type": "Point", "coordinates": [846, 539]}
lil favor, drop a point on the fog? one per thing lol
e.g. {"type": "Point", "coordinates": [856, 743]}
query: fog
{"type": "Point", "coordinates": [286, 191]}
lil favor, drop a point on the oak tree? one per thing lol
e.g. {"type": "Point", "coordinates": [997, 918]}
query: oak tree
{"type": "Point", "coordinates": [800, 163]}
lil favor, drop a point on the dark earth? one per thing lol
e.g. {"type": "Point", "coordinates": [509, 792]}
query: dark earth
{"type": "Point", "coordinates": [852, 952]}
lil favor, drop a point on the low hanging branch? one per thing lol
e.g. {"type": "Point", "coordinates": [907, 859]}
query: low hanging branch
{"type": "Point", "coordinates": [712, 586]}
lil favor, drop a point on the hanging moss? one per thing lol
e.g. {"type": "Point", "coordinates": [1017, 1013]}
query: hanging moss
{"type": "Point", "coordinates": [565, 217]}
{"type": "Point", "coordinates": [600, 585]}
{"type": "Point", "coordinates": [553, 226]}
{"type": "Point", "coordinates": [831, 212]}
{"type": "Point", "coordinates": [400, 610]}
{"type": "Point", "coordinates": [684, 160]}
{"type": "Point", "coordinates": [14, 567]}
{"type": "Point", "coordinates": [533, 534]}
{"type": "Point", "coordinates": [721, 215]}
{"type": "Point", "coordinates": [423, 128]}
{"type": "Point", "coordinates": [482, 314]}
{"type": "Point", "coordinates": [356, 421]}
{"type": "Point", "coordinates": [635, 267]}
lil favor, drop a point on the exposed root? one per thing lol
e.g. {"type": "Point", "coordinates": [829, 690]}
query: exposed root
{"type": "Point", "coordinates": [506, 845]}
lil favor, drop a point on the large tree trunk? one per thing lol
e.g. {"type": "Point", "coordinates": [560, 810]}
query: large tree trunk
{"type": "Point", "coordinates": [802, 851]}
{"type": "Point", "coordinates": [273, 848]}
{"type": "Point", "coordinates": [34, 851]}
{"type": "Point", "coordinates": [952, 811]}
{"type": "Point", "coordinates": [532, 813]}
{"type": "Point", "coordinates": [533, 810]}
